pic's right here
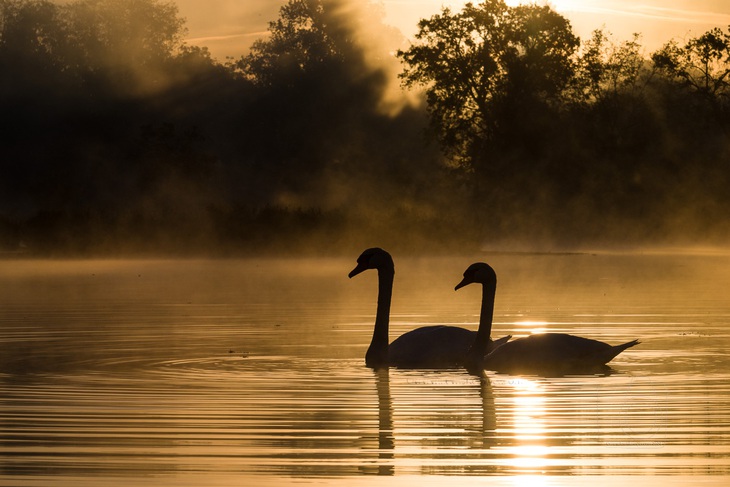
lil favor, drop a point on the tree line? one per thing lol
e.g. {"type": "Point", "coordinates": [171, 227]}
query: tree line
{"type": "Point", "coordinates": [118, 136]}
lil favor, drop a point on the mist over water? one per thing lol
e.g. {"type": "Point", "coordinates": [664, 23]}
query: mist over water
{"type": "Point", "coordinates": [173, 372]}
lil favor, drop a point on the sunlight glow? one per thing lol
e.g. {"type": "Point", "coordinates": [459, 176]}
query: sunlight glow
{"type": "Point", "coordinates": [530, 451]}
{"type": "Point", "coordinates": [628, 8]}
{"type": "Point", "coordinates": [530, 456]}
{"type": "Point", "coordinates": [524, 386]}
{"type": "Point", "coordinates": [529, 481]}
{"type": "Point", "coordinates": [559, 5]}
{"type": "Point", "coordinates": [535, 326]}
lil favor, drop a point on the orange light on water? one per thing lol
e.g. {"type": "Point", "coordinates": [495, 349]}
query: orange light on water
{"type": "Point", "coordinates": [530, 451]}
{"type": "Point", "coordinates": [534, 326]}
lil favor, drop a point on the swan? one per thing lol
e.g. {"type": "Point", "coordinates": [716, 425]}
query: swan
{"type": "Point", "coordinates": [541, 354]}
{"type": "Point", "coordinates": [437, 346]}
{"type": "Point", "coordinates": [484, 275]}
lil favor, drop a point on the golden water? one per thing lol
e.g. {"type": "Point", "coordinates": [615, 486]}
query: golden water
{"type": "Point", "coordinates": [251, 372]}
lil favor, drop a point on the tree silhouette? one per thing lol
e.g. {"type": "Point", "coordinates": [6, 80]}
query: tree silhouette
{"type": "Point", "coordinates": [306, 38]}
{"type": "Point", "coordinates": [483, 65]}
{"type": "Point", "coordinates": [606, 69]}
{"type": "Point", "coordinates": [702, 64]}
{"type": "Point", "coordinates": [315, 91]}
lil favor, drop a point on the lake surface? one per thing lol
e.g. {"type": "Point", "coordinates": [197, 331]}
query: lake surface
{"type": "Point", "coordinates": [251, 372]}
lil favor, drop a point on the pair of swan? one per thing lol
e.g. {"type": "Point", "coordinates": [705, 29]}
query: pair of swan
{"type": "Point", "coordinates": [450, 346]}
{"type": "Point", "coordinates": [435, 346]}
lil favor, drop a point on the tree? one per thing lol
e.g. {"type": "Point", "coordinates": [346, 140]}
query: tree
{"type": "Point", "coordinates": [606, 68]}
{"type": "Point", "coordinates": [702, 65]}
{"type": "Point", "coordinates": [538, 61]}
{"type": "Point", "coordinates": [316, 91]}
{"type": "Point", "coordinates": [124, 43]}
{"type": "Point", "coordinates": [483, 66]}
{"type": "Point", "coordinates": [309, 37]}
{"type": "Point", "coordinates": [74, 104]}
{"type": "Point", "coordinates": [30, 40]}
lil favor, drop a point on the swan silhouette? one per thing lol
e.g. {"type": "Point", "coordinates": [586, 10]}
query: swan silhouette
{"type": "Point", "coordinates": [541, 354]}
{"type": "Point", "coordinates": [437, 346]}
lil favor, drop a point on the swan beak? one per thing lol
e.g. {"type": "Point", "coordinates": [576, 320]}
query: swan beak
{"type": "Point", "coordinates": [463, 283]}
{"type": "Point", "coordinates": [357, 270]}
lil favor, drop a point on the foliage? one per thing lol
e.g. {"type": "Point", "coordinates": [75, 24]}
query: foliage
{"type": "Point", "coordinates": [702, 64]}
{"type": "Point", "coordinates": [318, 90]}
{"type": "Point", "coordinates": [121, 44]}
{"type": "Point", "coordinates": [486, 59]}
{"type": "Point", "coordinates": [306, 38]}
{"type": "Point", "coordinates": [606, 69]}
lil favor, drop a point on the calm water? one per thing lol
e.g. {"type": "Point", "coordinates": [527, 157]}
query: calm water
{"type": "Point", "coordinates": [236, 372]}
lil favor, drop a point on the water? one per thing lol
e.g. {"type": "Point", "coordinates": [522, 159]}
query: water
{"type": "Point", "coordinates": [251, 372]}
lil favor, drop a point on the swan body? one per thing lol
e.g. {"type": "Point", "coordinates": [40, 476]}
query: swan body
{"type": "Point", "coordinates": [553, 354]}
{"type": "Point", "coordinates": [437, 346]}
{"type": "Point", "coordinates": [541, 354]}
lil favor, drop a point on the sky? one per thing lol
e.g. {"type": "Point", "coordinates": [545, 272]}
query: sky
{"type": "Point", "coordinates": [228, 27]}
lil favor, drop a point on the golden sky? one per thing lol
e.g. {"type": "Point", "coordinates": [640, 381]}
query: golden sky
{"type": "Point", "coordinates": [228, 27]}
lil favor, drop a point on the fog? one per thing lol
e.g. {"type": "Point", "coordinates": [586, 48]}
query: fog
{"type": "Point", "coordinates": [125, 135]}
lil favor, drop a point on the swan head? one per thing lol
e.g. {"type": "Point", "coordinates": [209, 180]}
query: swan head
{"type": "Point", "coordinates": [375, 258]}
{"type": "Point", "coordinates": [480, 273]}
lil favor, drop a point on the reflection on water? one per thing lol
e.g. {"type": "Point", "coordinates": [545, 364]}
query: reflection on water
{"type": "Point", "coordinates": [169, 372]}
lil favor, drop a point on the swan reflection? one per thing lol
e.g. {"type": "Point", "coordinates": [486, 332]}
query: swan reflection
{"type": "Point", "coordinates": [449, 415]}
{"type": "Point", "coordinates": [385, 423]}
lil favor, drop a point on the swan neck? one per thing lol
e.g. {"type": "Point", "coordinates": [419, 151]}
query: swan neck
{"type": "Point", "coordinates": [482, 339]}
{"type": "Point", "coordinates": [377, 354]}
{"type": "Point", "coordinates": [487, 313]}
